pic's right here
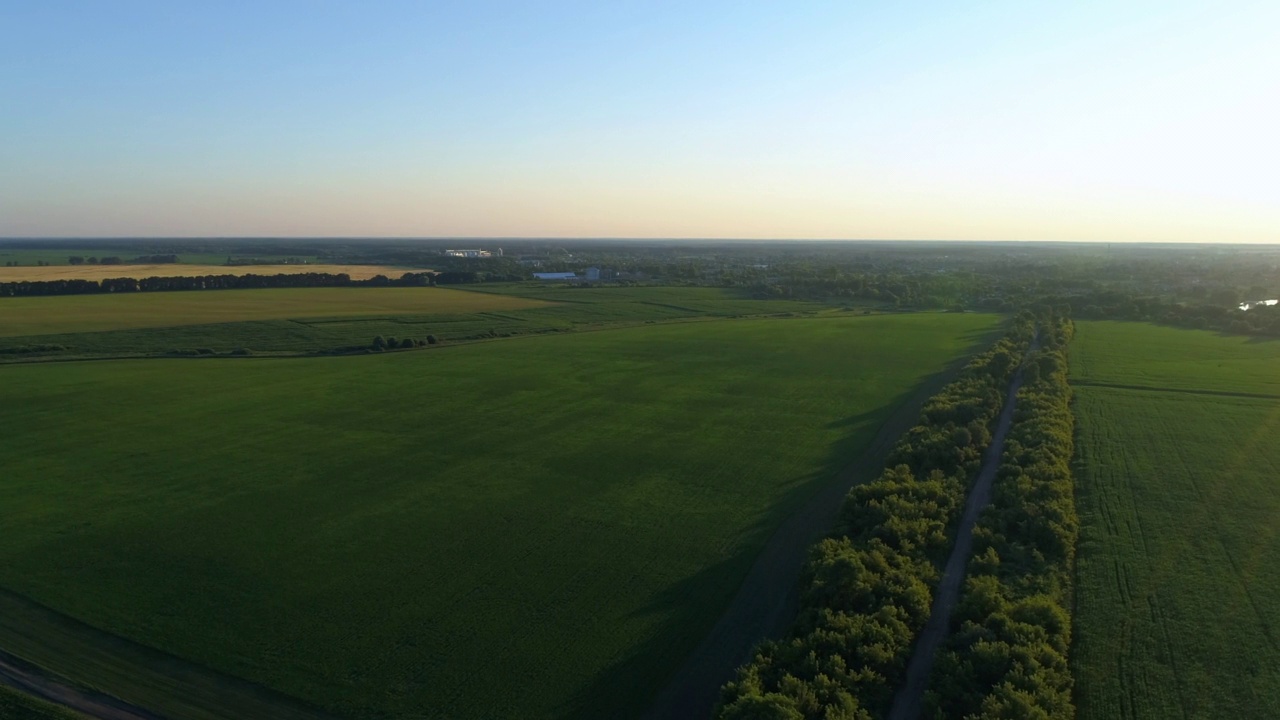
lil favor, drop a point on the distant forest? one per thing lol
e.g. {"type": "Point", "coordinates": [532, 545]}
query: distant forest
{"type": "Point", "coordinates": [1199, 286]}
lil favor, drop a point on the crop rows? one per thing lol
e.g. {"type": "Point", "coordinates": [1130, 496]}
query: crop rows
{"type": "Point", "coordinates": [1177, 600]}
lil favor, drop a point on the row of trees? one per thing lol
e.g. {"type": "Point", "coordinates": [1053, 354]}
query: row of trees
{"type": "Point", "coordinates": [867, 590]}
{"type": "Point", "coordinates": [1011, 632]}
{"type": "Point", "coordinates": [380, 343]}
{"type": "Point", "coordinates": [206, 282]}
{"type": "Point", "coordinates": [850, 285]}
{"type": "Point", "coordinates": [113, 260]}
{"type": "Point", "coordinates": [1220, 316]}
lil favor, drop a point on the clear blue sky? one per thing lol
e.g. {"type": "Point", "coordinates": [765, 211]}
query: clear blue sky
{"type": "Point", "coordinates": [991, 120]}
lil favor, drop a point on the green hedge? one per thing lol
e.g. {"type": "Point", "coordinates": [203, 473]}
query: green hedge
{"type": "Point", "coordinates": [1011, 632]}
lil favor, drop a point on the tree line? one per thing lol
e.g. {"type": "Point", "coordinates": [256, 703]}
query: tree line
{"type": "Point", "coordinates": [1223, 315]}
{"type": "Point", "coordinates": [381, 343]}
{"type": "Point", "coordinates": [1007, 652]}
{"type": "Point", "coordinates": [113, 260]}
{"type": "Point", "coordinates": [867, 589]}
{"type": "Point", "coordinates": [206, 282]}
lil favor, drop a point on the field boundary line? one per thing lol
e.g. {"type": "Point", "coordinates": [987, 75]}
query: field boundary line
{"type": "Point", "coordinates": [668, 305]}
{"type": "Point", "coordinates": [1186, 391]}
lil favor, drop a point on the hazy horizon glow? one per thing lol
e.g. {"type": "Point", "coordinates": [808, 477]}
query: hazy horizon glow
{"type": "Point", "coordinates": [1113, 122]}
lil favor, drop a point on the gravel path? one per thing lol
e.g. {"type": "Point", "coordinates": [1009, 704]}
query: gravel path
{"type": "Point", "coordinates": [907, 704]}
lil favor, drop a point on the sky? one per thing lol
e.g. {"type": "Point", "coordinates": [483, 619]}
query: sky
{"type": "Point", "coordinates": [1101, 121]}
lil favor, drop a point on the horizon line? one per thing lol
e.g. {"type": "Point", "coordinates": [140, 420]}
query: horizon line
{"type": "Point", "coordinates": [580, 238]}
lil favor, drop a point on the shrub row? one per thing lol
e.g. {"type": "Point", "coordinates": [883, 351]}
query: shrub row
{"type": "Point", "coordinates": [25, 349]}
{"type": "Point", "coordinates": [380, 343]}
{"type": "Point", "coordinates": [1011, 632]}
{"type": "Point", "coordinates": [867, 589]}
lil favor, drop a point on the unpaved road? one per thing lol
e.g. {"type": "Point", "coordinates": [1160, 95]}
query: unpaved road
{"type": "Point", "coordinates": [30, 680]}
{"type": "Point", "coordinates": [765, 603]}
{"type": "Point", "coordinates": [907, 703]}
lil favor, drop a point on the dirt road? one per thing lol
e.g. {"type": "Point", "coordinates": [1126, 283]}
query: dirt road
{"type": "Point", "coordinates": [907, 704]}
{"type": "Point", "coordinates": [32, 681]}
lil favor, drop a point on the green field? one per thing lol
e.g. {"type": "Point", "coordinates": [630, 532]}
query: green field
{"type": "Point", "coordinates": [1178, 592]}
{"type": "Point", "coordinates": [25, 316]}
{"type": "Point", "coordinates": [1135, 354]}
{"type": "Point", "coordinates": [322, 319]}
{"type": "Point", "coordinates": [536, 528]}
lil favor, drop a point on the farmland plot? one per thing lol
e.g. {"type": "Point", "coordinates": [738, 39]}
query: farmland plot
{"type": "Point", "coordinates": [309, 320]}
{"type": "Point", "coordinates": [1178, 591]}
{"type": "Point", "coordinates": [538, 528]}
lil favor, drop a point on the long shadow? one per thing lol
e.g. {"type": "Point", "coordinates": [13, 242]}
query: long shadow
{"type": "Point", "coordinates": [624, 688]}
{"type": "Point", "coordinates": [766, 600]}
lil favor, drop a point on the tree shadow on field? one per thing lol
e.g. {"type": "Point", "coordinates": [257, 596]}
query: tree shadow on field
{"type": "Point", "coordinates": [712, 620]}
{"type": "Point", "coordinates": [847, 445]}
{"type": "Point", "coordinates": [1253, 339]}
{"type": "Point", "coordinates": [626, 688]}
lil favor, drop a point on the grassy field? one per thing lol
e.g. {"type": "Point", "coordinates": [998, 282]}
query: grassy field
{"type": "Point", "coordinates": [25, 316]}
{"type": "Point", "coordinates": [1178, 592]}
{"type": "Point", "coordinates": [320, 319]}
{"type": "Point", "coordinates": [540, 528]}
{"type": "Point", "coordinates": [1160, 357]}
{"type": "Point", "coordinates": [609, 303]}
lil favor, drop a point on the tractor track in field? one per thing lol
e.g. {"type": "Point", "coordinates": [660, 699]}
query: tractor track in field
{"type": "Point", "coordinates": [29, 679]}
{"type": "Point", "coordinates": [767, 599]}
{"type": "Point", "coordinates": [178, 688]}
